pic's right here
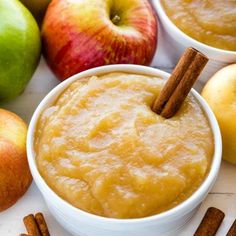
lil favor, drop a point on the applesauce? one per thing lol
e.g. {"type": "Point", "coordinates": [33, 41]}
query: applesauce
{"type": "Point", "coordinates": [101, 147]}
{"type": "Point", "coordinates": [212, 22]}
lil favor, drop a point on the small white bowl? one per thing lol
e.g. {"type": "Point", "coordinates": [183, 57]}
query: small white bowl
{"type": "Point", "coordinates": [81, 223]}
{"type": "Point", "coordinates": [176, 41]}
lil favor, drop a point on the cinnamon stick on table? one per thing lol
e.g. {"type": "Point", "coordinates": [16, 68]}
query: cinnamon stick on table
{"type": "Point", "coordinates": [180, 83]}
{"type": "Point", "coordinates": [31, 225]}
{"type": "Point", "coordinates": [41, 224]}
{"type": "Point", "coordinates": [210, 222]}
{"type": "Point", "coordinates": [232, 230]}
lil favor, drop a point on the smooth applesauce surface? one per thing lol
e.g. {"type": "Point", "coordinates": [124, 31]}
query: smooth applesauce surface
{"type": "Point", "coordinates": [212, 22]}
{"type": "Point", "coordinates": [101, 148]}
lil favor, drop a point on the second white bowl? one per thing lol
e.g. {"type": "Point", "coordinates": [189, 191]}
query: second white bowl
{"type": "Point", "coordinates": [174, 42]}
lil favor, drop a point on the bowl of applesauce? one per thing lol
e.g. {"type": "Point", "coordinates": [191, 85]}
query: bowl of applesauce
{"type": "Point", "coordinates": [106, 164]}
{"type": "Point", "coordinates": [208, 26]}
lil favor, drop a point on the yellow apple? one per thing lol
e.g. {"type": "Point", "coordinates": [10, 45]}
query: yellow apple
{"type": "Point", "coordinates": [220, 93]}
{"type": "Point", "coordinates": [15, 177]}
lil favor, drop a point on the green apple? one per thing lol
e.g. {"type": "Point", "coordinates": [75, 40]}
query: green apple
{"type": "Point", "coordinates": [37, 7]}
{"type": "Point", "coordinates": [20, 48]}
{"type": "Point", "coordinates": [220, 93]}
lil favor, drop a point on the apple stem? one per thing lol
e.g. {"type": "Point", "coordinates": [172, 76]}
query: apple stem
{"type": "Point", "coordinates": [115, 19]}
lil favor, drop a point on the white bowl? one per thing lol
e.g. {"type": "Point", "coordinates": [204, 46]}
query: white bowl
{"type": "Point", "coordinates": [175, 41]}
{"type": "Point", "coordinates": [81, 223]}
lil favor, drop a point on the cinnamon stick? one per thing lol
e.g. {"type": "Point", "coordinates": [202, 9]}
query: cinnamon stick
{"type": "Point", "coordinates": [232, 230]}
{"type": "Point", "coordinates": [42, 224]}
{"type": "Point", "coordinates": [174, 79]}
{"type": "Point", "coordinates": [23, 235]}
{"type": "Point", "coordinates": [210, 222]}
{"type": "Point", "coordinates": [31, 225]}
{"type": "Point", "coordinates": [180, 83]}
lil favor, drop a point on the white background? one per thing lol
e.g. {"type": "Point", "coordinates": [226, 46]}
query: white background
{"type": "Point", "coordinates": [222, 196]}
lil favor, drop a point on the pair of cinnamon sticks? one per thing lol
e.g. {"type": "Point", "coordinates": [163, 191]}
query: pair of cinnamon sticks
{"type": "Point", "coordinates": [211, 223]}
{"type": "Point", "coordinates": [35, 225]}
{"type": "Point", "coordinates": [180, 83]}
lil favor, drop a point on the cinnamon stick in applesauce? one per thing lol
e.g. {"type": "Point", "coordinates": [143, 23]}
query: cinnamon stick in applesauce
{"type": "Point", "coordinates": [180, 83]}
{"type": "Point", "coordinates": [210, 222]}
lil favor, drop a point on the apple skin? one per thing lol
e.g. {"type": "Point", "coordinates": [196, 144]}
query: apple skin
{"type": "Point", "coordinates": [220, 93]}
{"type": "Point", "coordinates": [37, 8]}
{"type": "Point", "coordinates": [20, 48]}
{"type": "Point", "coordinates": [84, 36]}
{"type": "Point", "coordinates": [15, 176]}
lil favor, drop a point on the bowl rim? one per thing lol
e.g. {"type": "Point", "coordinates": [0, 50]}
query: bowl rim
{"type": "Point", "coordinates": [162, 14]}
{"type": "Point", "coordinates": [181, 209]}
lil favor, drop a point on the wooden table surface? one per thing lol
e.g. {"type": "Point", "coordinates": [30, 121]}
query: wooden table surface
{"type": "Point", "coordinates": [222, 196]}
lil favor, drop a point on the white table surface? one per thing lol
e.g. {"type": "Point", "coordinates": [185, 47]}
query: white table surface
{"type": "Point", "coordinates": [222, 196]}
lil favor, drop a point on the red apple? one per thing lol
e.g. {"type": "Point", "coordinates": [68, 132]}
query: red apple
{"type": "Point", "coordinates": [15, 176]}
{"type": "Point", "coordinates": [78, 35]}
